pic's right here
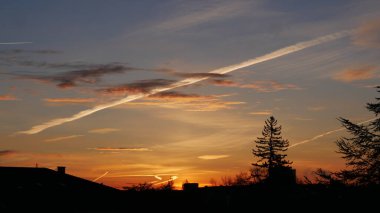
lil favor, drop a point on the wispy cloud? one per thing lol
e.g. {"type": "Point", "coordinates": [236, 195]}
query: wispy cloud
{"type": "Point", "coordinates": [139, 149]}
{"type": "Point", "coordinates": [371, 86]}
{"type": "Point", "coordinates": [259, 86]}
{"type": "Point", "coordinates": [189, 81]}
{"type": "Point", "coordinates": [69, 100]}
{"type": "Point", "coordinates": [269, 86]}
{"type": "Point", "coordinates": [261, 113]}
{"type": "Point", "coordinates": [89, 75]}
{"type": "Point", "coordinates": [7, 152]}
{"type": "Point", "coordinates": [63, 138]}
{"type": "Point", "coordinates": [188, 102]}
{"type": "Point", "coordinates": [316, 108]}
{"type": "Point", "coordinates": [15, 42]}
{"type": "Point", "coordinates": [362, 73]}
{"type": "Point", "coordinates": [8, 98]}
{"type": "Point", "coordinates": [141, 86]}
{"type": "Point", "coordinates": [368, 34]}
{"type": "Point", "coordinates": [212, 157]}
{"type": "Point", "coordinates": [144, 86]}
{"type": "Point", "coordinates": [211, 13]}
{"type": "Point", "coordinates": [222, 82]}
{"type": "Point", "coordinates": [10, 60]}
{"type": "Point", "coordinates": [17, 57]}
{"type": "Point", "coordinates": [103, 130]}
{"type": "Point", "coordinates": [200, 75]}
{"type": "Point", "coordinates": [23, 51]}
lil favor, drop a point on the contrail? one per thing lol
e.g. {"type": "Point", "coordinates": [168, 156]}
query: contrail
{"type": "Point", "coordinates": [326, 133]}
{"type": "Point", "coordinates": [155, 176]}
{"type": "Point", "coordinates": [172, 178]}
{"type": "Point", "coordinates": [100, 176]}
{"type": "Point", "coordinates": [158, 177]}
{"type": "Point", "coordinates": [188, 81]}
{"type": "Point", "coordinates": [21, 42]}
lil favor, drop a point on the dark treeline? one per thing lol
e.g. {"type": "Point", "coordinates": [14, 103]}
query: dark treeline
{"type": "Point", "coordinates": [255, 198]}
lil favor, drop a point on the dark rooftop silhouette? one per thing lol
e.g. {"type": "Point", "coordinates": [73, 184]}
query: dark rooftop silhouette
{"type": "Point", "coordinates": [190, 186]}
{"type": "Point", "coordinates": [44, 179]}
{"type": "Point", "coordinates": [26, 189]}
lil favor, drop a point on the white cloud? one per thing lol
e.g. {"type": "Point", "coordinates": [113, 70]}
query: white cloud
{"type": "Point", "coordinates": [213, 13]}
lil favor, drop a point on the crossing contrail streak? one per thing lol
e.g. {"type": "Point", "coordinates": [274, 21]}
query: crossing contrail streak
{"type": "Point", "coordinates": [10, 43]}
{"type": "Point", "coordinates": [100, 176]}
{"type": "Point", "coordinates": [326, 133]}
{"type": "Point", "coordinates": [172, 178]}
{"type": "Point", "coordinates": [157, 176]}
{"type": "Point", "coordinates": [188, 81]}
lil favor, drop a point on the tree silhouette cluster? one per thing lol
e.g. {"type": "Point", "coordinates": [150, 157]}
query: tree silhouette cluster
{"type": "Point", "coordinates": [362, 150]}
{"type": "Point", "coordinates": [270, 151]}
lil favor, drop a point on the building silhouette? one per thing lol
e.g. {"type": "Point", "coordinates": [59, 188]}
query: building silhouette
{"type": "Point", "coordinates": [44, 179]}
{"type": "Point", "coordinates": [26, 189]}
{"type": "Point", "coordinates": [190, 186]}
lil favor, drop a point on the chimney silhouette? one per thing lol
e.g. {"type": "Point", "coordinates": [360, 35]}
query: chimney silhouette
{"type": "Point", "coordinates": [61, 169]}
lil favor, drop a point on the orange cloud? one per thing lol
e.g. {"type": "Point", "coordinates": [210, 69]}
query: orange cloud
{"type": "Point", "coordinates": [212, 157]}
{"type": "Point", "coordinates": [141, 86]}
{"type": "Point", "coordinates": [226, 83]}
{"type": "Point", "coordinates": [259, 86]}
{"type": "Point", "coordinates": [176, 96]}
{"type": "Point", "coordinates": [103, 130]}
{"type": "Point", "coordinates": [8, 98]}
{"type": "Point", "coordinates": [357, 74]}
{"type": "Point", "coordinates": [7, 152]}
{"type": "Point", "coordinates": [269, 86]}
{"type": "Point", "coordinates": [316, 108]}
{"type": "Point", "coordinates": [63, 138]}
{"type": "Point", "coordinates": [368, 34]}
{"type": "Point", "coordinates": [261, 113]}
{"type": "Point", "coordinates": [69, 100]}
{"type": "Point", "coordinates": [188, 102]}
{"type": "Point", "coordinates": [121, 149]}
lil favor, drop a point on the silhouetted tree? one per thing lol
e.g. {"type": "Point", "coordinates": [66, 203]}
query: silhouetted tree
{"type": "Point", "coordinates": [258, 174]}
{"type": "Point", "coordinates": [213, 182]}
{"type": "Point", "coordinates": [362, 150]}
{"type": "Point", "coordinates": [168, 186]}
{"type": "Point", "coordinates": [227, 181]}
{"type": "Point", "coordinates": [242, 179]}
{"type": "Point", "coordinates": [140, 187]}
{"type": "Point", "coordinates": [270, 148]}
{"type": "Point", "coordinates": [326, 177]}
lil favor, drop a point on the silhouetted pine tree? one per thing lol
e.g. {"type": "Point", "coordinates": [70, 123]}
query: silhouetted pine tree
{"type": "Point", "coordinates": [362, 150]}
{"type": "Point", "coordinates": [271, 147]}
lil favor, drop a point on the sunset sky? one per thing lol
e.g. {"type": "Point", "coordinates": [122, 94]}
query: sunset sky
{"type": "Point", "coordinates": [58, 58]}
